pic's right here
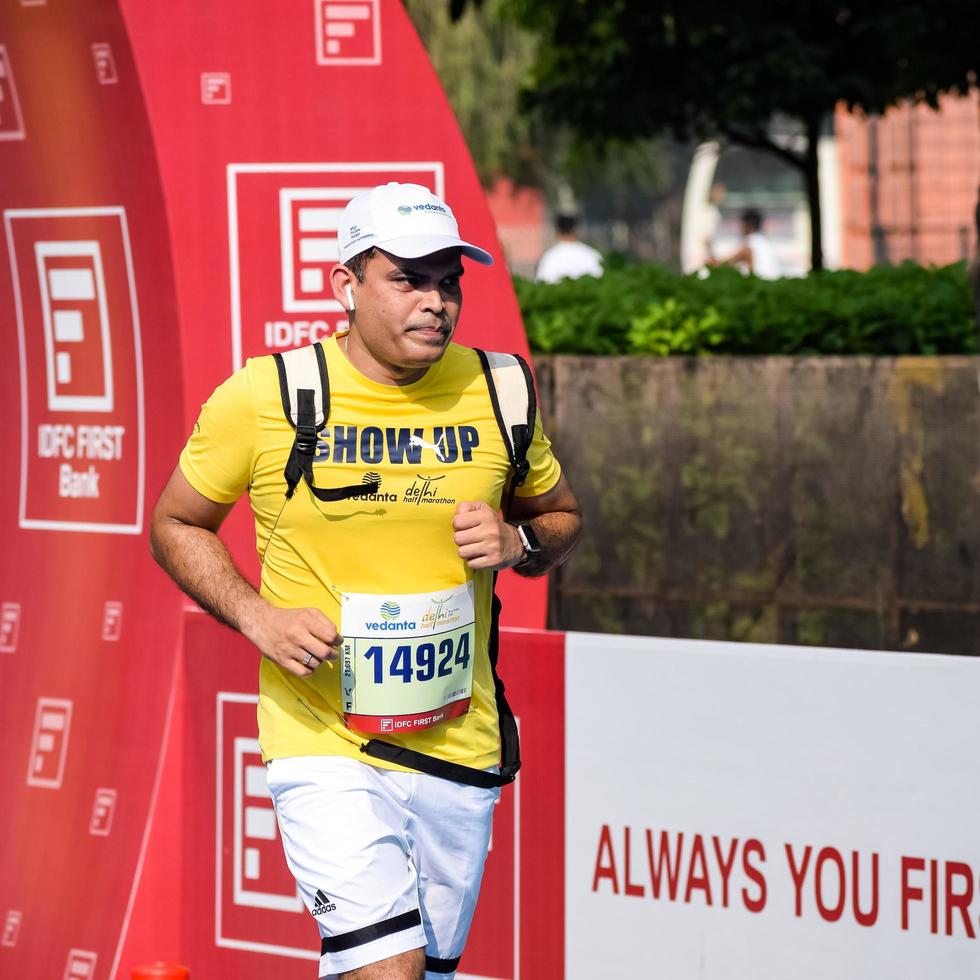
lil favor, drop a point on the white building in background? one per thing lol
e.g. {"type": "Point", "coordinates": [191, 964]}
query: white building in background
{"type": "Point", "coordinates": [723, 183]}
{"type": "Point", "coordinates": [896, 187]}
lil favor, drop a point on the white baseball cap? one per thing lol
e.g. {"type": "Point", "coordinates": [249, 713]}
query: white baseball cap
{"type": "Point", "coordinates": [407, 220]}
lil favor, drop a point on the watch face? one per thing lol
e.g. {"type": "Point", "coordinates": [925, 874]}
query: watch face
{"type": "Point", "coordinates": [528, 538]}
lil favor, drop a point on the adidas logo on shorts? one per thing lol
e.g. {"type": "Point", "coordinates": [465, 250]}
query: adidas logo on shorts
{"type": "Point", "coordinates": [323, 904]}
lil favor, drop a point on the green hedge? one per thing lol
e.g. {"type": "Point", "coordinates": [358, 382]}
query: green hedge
{"type": "Point", "coordinates": [647, 309]}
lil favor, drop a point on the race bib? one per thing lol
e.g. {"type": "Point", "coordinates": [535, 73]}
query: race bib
{"type": "Point", "coordinates": [406, 660]}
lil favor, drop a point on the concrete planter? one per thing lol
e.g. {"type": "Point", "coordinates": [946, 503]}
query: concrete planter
{"type": "Point", "coordinates": [830, 501]}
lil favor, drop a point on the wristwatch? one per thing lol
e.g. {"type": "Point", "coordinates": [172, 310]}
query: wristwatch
{"type": "Point", "coordinates": [530, 542]}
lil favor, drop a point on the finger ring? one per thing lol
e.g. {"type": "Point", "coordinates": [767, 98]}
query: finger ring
{"type": "Point", "coordinates": [307, 659]}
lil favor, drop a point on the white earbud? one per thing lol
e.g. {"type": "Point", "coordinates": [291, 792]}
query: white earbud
{"type": "Point", "coordinates": [350, 298]}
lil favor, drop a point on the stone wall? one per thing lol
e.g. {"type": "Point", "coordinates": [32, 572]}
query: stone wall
{"type": "Point", "coordinates": [829, 501]}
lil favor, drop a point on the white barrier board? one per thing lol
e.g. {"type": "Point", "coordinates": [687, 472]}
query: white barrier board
{"type": "Point", "coordinates": [749, 812]}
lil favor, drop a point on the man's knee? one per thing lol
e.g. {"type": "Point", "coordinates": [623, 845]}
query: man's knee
{"type": "Point", "coordinates": [404, 966]}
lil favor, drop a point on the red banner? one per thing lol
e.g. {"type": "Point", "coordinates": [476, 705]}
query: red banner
{"type": "Point", "coordinates": [172, 176]}
{"type": "Point", "coordinates": [89, 627]}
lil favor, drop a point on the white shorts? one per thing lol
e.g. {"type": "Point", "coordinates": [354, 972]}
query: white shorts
{"type": "Point", "coordinates": [386, 861]}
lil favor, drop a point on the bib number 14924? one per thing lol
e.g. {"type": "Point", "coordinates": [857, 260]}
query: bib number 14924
{"type": "Point", "coordinates": [419, 663]}
{"type": "Point", "coordinates": [406, 660]}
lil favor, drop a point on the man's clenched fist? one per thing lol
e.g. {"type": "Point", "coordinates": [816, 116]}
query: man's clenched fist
{"type": "Point", "coordinates": [483, 538]}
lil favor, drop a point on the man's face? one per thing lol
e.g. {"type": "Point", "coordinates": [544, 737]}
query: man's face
{"type": "Point", "coordinates": [406, 313]}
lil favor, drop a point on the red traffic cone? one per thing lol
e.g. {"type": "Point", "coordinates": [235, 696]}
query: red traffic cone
{"type": "Point", "coordinates": [161, 971]}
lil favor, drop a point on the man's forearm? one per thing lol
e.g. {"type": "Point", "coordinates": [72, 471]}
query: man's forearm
{"type": "Point", "coordinates": [198, 561]}
{"type": "Point", "coordinates": [557, 533]}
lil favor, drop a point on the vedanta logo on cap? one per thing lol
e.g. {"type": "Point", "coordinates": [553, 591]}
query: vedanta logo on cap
{"type": "Point", "coordinates": [406, 220]}
{"type": "Point", "coordinates": [422, 207]}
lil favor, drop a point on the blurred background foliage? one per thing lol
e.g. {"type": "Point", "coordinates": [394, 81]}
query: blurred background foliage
{"type": "Point", "coordinates": [598, 102]}
{"type": "Point", "coordinates": [485, 57]}
{"type": "Point", "coordinates": [648, 309]}
{"type": "Point", "coordinates": [483, 60]}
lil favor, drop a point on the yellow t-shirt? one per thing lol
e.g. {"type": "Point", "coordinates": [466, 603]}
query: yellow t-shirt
{"type": "Point", "coordinates": [397, 541]}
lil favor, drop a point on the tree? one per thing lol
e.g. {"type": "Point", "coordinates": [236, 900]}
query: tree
{"type": "Point", "coordinates": [630, 69]}
{"type": "Point", "coordinates": [482, 60]}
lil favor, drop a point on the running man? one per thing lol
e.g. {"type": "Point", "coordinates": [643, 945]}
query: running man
{"type": "Point", "coordinates": [388, 859]}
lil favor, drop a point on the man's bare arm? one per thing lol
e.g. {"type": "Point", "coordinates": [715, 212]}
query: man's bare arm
{"type": "Point", "coordinates": [184, 541]}
{"type": "Point", "coordinates": [557, 522]}
{"type": "Point", "coordinates": [743, 255]}
{"type": "Point", "coordinates": [486, 540]}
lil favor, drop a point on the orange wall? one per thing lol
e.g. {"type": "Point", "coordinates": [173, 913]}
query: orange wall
{"type": "Point", "coordinates": [928, 174]}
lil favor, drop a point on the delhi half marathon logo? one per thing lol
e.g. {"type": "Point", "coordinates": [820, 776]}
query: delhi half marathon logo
{"type": "Point", "coordinates": [441, 615]}
{"type": "Point", "coordinates": [427, 490]}
{"type": "Point", "coordinates": [390, 611]}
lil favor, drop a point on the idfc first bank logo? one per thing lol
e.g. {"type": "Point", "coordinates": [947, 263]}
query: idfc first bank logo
{"type": "Point", "coordinates": [283, 222]}
{"type": "Point", "coordinates": [80, 368]}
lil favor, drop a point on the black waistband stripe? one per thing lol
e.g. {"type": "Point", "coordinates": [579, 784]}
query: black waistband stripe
{"type": "Point", "coordinates": [348, 940]}
{"type": "Point", "coordinates": [435, 965]}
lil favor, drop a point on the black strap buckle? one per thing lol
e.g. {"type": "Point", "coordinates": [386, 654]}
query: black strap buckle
{"type": "Point", "coordinates": [306, 438]}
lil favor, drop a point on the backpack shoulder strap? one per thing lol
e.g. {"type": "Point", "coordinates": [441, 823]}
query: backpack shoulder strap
{"type": "Point", "coordinates": [304, 370]}
{"type": "Point", "coordinates": [515, 405]}
{"type": "Point", "coordinates": [304, 386]}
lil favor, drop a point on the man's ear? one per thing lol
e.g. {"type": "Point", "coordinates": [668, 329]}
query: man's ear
{"type": "Point", "coordinates": [343, 284]}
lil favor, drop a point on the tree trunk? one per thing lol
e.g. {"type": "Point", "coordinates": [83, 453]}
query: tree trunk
{"type": "Point", "coordinates": [811, 178]}
{"type": "Point", "coordinates": [808, 164]}
{"type": "Point", "coordinates": [975, 266]}
{"type": "Point", "coordinates": [975, 269]}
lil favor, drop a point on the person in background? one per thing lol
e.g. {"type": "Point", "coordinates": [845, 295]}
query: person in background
{"type": "Point", "coordinates": [756, 256]}
{"type": "Point", "coordinates": [568, 258]}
